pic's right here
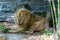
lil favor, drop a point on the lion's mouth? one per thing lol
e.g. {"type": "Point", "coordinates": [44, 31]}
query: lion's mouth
{"type": "Point", "coordinates": [20, 23]}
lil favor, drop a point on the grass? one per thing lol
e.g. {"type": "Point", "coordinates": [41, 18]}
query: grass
{"type": "Point", "coordinates": [3, 28]}
{"type": "Point", "coordinates": [47, 32]}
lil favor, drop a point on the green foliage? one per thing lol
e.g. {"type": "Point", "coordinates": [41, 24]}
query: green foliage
{"type": "Point", "coordinates": [58, 35]}
{"type": "Point", "coordinates": [47, 32]}
{"type": "Point", "coordinates": [3, 28]}
{"type": "Point", "coordinates": [6, 30]}
{"type": "Point", "coordinates": [43, 14]}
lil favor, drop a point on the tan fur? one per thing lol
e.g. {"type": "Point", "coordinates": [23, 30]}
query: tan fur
{"type": "Point", "coordinates": [27, 21]}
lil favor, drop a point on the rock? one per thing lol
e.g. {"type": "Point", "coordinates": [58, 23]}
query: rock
{"type": "Point", "coordinates": [31, 37]}
{"type": "Point", "coordinates": [7, 17]}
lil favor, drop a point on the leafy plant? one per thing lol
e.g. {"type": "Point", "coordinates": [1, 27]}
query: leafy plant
{"type": "Point", "coordinates": [3, 28]}
{"type": "Point", "coordinates": [47, 32]}
{"type": "Point", "coordinates": [6, 30]}
{"type": "Point", "coordinates": [58, 35]}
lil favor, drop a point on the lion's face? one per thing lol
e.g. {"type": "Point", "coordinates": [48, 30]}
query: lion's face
{"type": "Point", "coordinates": [22, 17]}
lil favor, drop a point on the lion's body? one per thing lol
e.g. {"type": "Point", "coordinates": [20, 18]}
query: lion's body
{"type": "Point", "coordinates": [26, 21]}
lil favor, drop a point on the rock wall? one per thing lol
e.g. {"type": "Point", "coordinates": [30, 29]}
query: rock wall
{"type": "Point", "coordinates": [7, 7]}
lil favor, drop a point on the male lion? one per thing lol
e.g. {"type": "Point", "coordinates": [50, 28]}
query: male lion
{"type": "Point", "coordinates": [26, 21]}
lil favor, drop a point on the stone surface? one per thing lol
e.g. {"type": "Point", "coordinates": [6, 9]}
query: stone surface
{"type": "Point", "coordinates": [29, 37]}
{"type": "Point", "coordinates": [36, 6]}
{"type": "Point", "coordinates": [7, 17]}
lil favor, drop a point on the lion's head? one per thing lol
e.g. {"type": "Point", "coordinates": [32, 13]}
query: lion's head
{"type": "Point", "coordinates": [22, 17]}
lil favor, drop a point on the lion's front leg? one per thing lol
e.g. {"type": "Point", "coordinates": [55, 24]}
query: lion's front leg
{"type": "Point", "coordinates": [17, 29]}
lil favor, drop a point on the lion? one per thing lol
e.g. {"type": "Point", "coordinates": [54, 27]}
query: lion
{"type": "Point", "coordinates": [26, 21]}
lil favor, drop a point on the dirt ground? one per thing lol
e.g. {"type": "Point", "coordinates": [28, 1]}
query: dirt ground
{"type": "Point", "coordinates": [12, 36]}
{"type": "Point", "coordinates": [27, 37]}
